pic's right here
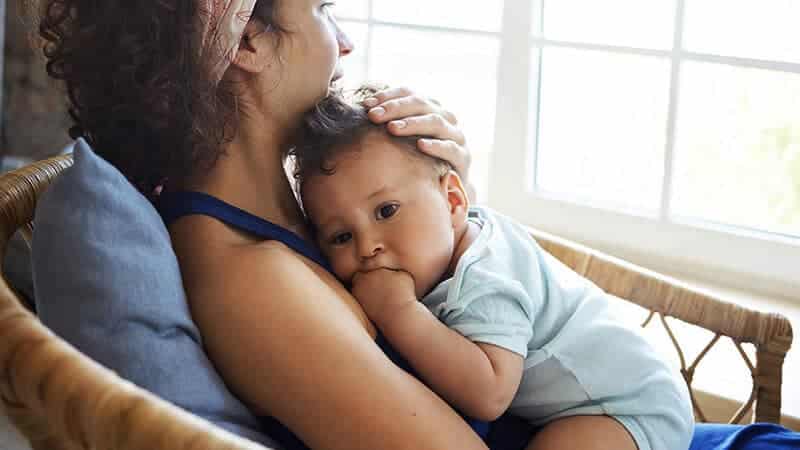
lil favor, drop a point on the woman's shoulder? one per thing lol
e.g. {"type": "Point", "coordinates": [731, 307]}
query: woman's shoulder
{"type": "Point", "coordinates": [220, 264]}
{"type": "Point", "coordinates": [213, 250]}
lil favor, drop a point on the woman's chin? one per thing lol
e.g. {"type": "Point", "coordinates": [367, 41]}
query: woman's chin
{"type": "Point", "coordinates": [336, 78]}
{"type": "Point", "coordinates": [334, 89]}
{"type": "Point", "coordinates": [313, 98]}
{"type": "Point", "coordinates": [335, 84]}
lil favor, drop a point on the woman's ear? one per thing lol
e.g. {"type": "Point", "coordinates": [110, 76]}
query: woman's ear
{"type": "Point", "coordinates": [456, 195]}
{"type": "Point", "coordinates": [256, 49]}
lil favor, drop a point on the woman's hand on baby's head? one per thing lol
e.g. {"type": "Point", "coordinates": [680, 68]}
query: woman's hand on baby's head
{"type": "Point", "coordinates": [383, 292]}
{"type": "Point", "coordinates": [408, 114]}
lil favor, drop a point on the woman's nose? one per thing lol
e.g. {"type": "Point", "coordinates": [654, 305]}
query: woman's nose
{"type": "Point", "coordinates": [345, 44]}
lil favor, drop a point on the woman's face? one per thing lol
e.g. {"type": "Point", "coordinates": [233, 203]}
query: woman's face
{"type": "Point", "coordinates": [310, 50]}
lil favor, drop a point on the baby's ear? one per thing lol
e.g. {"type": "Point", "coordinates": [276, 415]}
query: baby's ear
{"type": "Point", "coordinates": [456, 195]}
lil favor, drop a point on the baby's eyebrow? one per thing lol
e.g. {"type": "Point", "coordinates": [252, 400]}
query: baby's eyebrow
{"type": "Point", "coordinates": [322, 227]}
{"type": "Point", "coordinates": [318, 226]}
{"type": "Point", "coordinates": [382, 190]}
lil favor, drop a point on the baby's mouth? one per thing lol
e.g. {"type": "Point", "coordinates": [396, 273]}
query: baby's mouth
{"type": "Point", "coordinates": [366, 270]}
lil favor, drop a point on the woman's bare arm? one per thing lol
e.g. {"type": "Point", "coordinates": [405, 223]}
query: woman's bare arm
{"type": "Point", "coordinates": [279, 331]}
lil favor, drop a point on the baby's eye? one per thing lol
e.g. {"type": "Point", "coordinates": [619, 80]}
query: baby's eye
{"type": "Point", "coordinates": [341, 238]}
{"type": "Point", "coordinates": [386, 211]}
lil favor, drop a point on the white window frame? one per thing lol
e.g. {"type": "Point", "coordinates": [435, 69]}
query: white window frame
{"type": "Point", "coordinates": [752, 260]}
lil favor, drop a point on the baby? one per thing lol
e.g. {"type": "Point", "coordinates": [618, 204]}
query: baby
{"type": "Point", "coordinates": [488, 319]}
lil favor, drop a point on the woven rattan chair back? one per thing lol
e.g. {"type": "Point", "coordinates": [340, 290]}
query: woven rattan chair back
{"type": "Point", "coordinates": [62, 400]}
{"type": "Point", "coordinates": [59, 398]}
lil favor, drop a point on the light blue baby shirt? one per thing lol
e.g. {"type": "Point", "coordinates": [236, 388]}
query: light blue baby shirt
{"type": "Point", "coordinates": [578, 357]}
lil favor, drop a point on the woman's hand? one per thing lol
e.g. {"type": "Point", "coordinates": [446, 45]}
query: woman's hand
{"type": "Point", "coordinates": [408, 114]}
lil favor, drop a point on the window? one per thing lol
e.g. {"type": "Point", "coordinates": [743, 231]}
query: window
{"type": "Point", "coordinates": [448, 50]}
{"type": "Point", "coordinates": [664, 130]}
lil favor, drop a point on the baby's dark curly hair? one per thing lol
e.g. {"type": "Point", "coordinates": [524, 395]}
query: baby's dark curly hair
{"type": "Point", "coordinates": [136, 91]}
{"type": "Point", "coordinates": [335, 125]}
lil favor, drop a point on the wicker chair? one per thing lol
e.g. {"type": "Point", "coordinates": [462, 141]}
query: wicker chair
{"type": "Point", "coordinates": [62, 400]}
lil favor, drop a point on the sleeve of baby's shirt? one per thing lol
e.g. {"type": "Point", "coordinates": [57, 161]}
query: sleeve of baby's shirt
{"type": "Point", "coordinates": [497, 314]}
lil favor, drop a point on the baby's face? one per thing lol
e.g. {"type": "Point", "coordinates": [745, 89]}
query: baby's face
{"type": "Point", "coordinates": [382, 208]}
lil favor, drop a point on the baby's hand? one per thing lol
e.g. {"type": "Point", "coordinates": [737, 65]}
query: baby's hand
{"type": "Point", "coordinates": [382, 292]}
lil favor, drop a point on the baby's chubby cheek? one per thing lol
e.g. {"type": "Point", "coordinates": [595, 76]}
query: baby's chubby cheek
{"type": "Point", "coordinates": [343, 270]}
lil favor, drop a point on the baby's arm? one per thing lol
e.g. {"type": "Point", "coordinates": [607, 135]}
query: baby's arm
{"type": "Point", "coordinates": [479, 379]}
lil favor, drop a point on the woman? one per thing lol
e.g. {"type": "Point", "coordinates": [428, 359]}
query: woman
{"type": "Point", "coordinates": [293, 320]}
{"type": "Point", "coordinates": [198, 96]}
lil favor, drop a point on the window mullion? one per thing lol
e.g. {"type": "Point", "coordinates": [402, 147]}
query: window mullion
{"type": "Point", "coordinates": [674, 92]}
{"type": "Point", "coordinates": [368, 50]}
{"type": "Point", "coordinates": [509, 162]}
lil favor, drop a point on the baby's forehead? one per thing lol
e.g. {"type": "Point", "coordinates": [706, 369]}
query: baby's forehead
{"type": "Point", "coordinates": [370, 161]}
{"type": "Point", "coordinates": [377, 146]}
{"type": "Point", "coordinates": [372, 155]}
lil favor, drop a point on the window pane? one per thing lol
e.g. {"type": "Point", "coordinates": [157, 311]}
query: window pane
{"type": "Point", "coordinates": [738, 147]}
{"type": "Point", "coordinates": [351, 9]}
{"type": "Point", "coordinates": [457, 69]}
{"type": "Point", "coordinates": [602, 125]}
{"type": "Point", "coordinates": [758, 29]}
{"type": "Point", "coordinates": [630, 23]}
{"type": "Point", "coordinates": [354, 64]}
{"type": "Point", "coordinates": [465, 14]}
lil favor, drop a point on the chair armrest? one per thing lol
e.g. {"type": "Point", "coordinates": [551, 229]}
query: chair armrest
{"type": "Point", "coordinates": [62, 400]}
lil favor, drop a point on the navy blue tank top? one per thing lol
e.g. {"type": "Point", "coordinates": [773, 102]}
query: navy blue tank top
{"type": "Point", "coordinates": [174, 205]}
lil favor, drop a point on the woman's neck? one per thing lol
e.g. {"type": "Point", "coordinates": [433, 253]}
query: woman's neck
{"type": "Point", "coordinates": [251, 176]}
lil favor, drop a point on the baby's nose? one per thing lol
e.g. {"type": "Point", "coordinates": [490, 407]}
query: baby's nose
{"type": "Point", "coordinates": [371, 248]}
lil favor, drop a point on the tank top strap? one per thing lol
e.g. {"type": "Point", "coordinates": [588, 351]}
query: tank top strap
{"type": "Point", "coordinates": [174, 205]}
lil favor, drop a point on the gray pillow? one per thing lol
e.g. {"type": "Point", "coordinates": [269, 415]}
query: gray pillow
{"type": "Point", "coordinates": [107, 281]}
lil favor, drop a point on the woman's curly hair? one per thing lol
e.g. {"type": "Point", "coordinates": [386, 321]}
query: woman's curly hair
{"type": "Point", "coordinates": [136, 91]}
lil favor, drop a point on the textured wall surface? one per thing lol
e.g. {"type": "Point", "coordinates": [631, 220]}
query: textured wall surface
{"type": "Point", "coordinates": [2, 45]}
{"type": "Point", "coordinates": [34, 117]}
{"type": "Point", "coordinates": [33, 126]}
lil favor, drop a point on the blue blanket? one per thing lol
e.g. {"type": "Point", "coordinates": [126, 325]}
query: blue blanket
{"type": "Point", "coordinates": [510, 433]}
{"type": "Point", "coordinates": [758, 436]}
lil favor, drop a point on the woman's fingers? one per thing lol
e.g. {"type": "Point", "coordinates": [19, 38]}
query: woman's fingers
{"type": "Point", "coordinates": [408, 114]}
{"type": "Point", "coordinates": [387, 94]}
{"type": "Point", "coordinates": [431, 124]}
{"type": "Point", "coordinates": [456, 155]}
{"type": "Point", "coordinates": [449, 151]}
{"type": "Point", "coordinates": [397, 103]}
